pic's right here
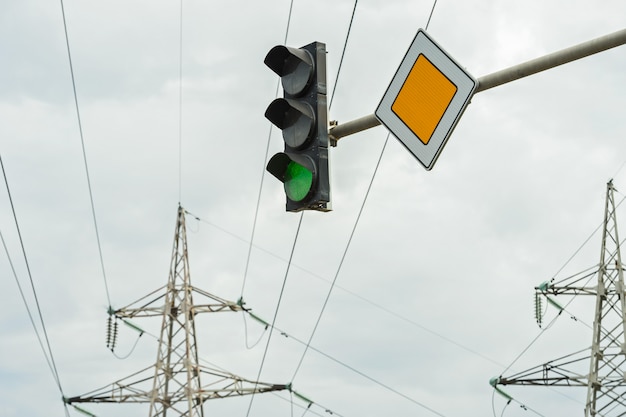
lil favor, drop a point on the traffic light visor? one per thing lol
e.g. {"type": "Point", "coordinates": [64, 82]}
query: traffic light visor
{"type": "Point", "coordinates": [294, 66]}
{"type": "Point", "coordinates": [295, 173]}
{"type": "Point", "coordinates": [295, 118]}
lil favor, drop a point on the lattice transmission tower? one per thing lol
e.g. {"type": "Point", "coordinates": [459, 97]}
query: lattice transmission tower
{"type": "Point", "coordinates": [605, 360]}
{"type": "Point", "coordinates": [172, 385]}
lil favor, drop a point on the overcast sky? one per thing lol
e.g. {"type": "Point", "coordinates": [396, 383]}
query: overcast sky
{"type": "Point", "coordinates": [435, 294]}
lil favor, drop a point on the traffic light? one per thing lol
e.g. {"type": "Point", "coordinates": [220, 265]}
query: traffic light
{"type": "Point", "coordinates": [302, 115]}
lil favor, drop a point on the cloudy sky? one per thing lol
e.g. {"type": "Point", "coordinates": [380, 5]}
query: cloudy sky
{"type": "Point", "coordinates": [435, 293]}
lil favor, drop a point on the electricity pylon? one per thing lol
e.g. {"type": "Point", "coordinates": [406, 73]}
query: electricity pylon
{"type": "Point", "coordinates": [606, 358]}
{"type": "Point", "coordinates": [173, 385]}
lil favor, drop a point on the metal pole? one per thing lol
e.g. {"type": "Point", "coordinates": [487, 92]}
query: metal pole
{"type": "Point", "coordinates": [504, 76]}
{"type": "Point", "coordinates": [552, 60]}
{"type": "Point", "coordinates": [354, 126]}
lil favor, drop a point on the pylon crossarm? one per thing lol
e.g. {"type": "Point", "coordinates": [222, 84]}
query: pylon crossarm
{"type": "Point", "coordinates": [119, 391]}
{"type": "Point", "coordinates": [148, 310]}
{"type": "Point", "coordinates": [234, 385]}
{"type": "Point", "coordinates": [220, 304]}
{"type": "Point", "coordinates": [136, 388]}
{"type": "Point", "coordinates": [141, 307]}
{"type": "Point", "coordinates": [139, 312]}
{"type": "Point", "coordinates": [554, 373]}
{"type": "Point", "coordinates": [237, 389]}
{"type": "Point", "coordinates": [214, 308]}
{"type": "Point", "coordinates": [578, 284]}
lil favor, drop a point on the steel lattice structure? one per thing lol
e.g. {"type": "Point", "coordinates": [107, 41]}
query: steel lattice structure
{"type": "Point", "coordinates": [606, 358]}
{"type": "Point", "coordinates": [172, 385]}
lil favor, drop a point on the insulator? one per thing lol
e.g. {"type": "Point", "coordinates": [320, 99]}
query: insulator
{"type": "Point", "coordinates": [538, 309]}
{"type": "Point", "coordinates": [109, 331]}
{"type": "Point", "coordinates": [555, 304]}
{"type": "Point", "coordinates": [114, 339]}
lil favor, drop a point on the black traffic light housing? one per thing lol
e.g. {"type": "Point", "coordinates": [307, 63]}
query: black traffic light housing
{"type": "Point", "coordinates": [302, 115]}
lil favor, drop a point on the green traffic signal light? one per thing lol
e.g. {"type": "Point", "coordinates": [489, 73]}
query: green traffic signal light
{"type": "Point", "coordinates": [296, 172]}
{"type": "Point", "coordinates": [298, 181]}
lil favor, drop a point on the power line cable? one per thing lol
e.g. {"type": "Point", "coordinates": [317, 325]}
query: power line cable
{"type": "Point", "coordinates": [32, 284]}
{"type": "Point", "coordinates": [280, 296]}
{"type": "Point", "coordinates": [432, 10]}
{"type": "Point", "coordinates": [82, 141]}
{"type": "Point", "coordinates": [254, 229]}
{"type": "Point", "coordinates": [267, 150]}
{"type": "Point", "coordinates": [181, 350]}
{"type": "Point", "coordinates": [30, 315]}
{"type": "Point", "coordinates": [49, 356]}
{"type": "Point", "coordinates": [343, 257]}
{"type": "Point", "coordinates": [343, 52]}
{"type": "Point", "coordinates": [354, 294]}
{"type": "Point", "coordinates": [324, 354]}
{"type": "Point", "coordinates": [307, 409]}
{"type": "Point", "coordinates": [297, 233]}
{"type": "Point", "coordinates": [351, 368]}
{"type": "Point", "coordinates": [245, 326]}
{"type": "Point", "coordinates": [360, 210]}
{"type": "Point", "coordinates": [332, 95]}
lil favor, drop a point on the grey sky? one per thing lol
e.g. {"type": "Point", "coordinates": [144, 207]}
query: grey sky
{"type": "Point", "coordinates": [456, 251]}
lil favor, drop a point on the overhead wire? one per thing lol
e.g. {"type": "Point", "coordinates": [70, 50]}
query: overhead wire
{"type": "Point", "coordinates": [299, 224]}
{"type": "Point", "coordinates": [180, 169]}
{"type": "Point", "coordinates": [526, 408]}
{"type": "Point", "coordinates": [322, 353]}
{"type": "Point", "coordinates": [267, 150]}
{"type": "Point", "coordinates": [374, 304]}
{"type": "Point", "coordinates": [362, 204]}
{"type": "Point", "coordinates": [301, 217]}
{"type": "Point", "coordinates": [307, 408]}
{"type": "Point", "coordinates": [181, 350]}
{"type": "Point", "coordinates": [280, 296]}
{"type": "Point", "coordinates": [343, 257]}
{"type": "Point", "coordinates": [251, 244]}
{"type": "Point", "coordinates": [432, 10]}
{"type": "Point", "coordinates": [308, 343]}
{"type": "Point", "coordinates": [343, 53]}
{"type": "Point", "coordinates": [30, 314]}
{"type": "Point", "coordinates": [509, 401]}
{"type": "Point", "coordinates": [353, 369]}
{"type": "Point", "coordinates": [245, 325]}
{"type": "Point", "coordinates": [353, 293]}
{"type": "Point", "coordinates": [48, 355]}
{"type": "Point", "coordinates": [332, 285]}
{"type": "Point", "coordinates": [82, 142]}
{"type": "Point", "coordinates": [256, 213]}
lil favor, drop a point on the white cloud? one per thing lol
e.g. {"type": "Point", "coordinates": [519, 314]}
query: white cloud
{"type": "Point", "coordinates": [457, 251]}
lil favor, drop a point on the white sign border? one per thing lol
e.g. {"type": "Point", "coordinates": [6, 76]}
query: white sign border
{"type": "Point", "coordinates": [427, 154]}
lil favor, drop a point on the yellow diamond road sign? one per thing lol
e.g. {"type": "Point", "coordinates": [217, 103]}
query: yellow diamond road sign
{"type": "Point", "coordinates": [425, 99]}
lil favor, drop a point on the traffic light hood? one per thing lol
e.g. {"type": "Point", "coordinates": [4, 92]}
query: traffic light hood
{"type": "Point", "coordinates": [294, 66]}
